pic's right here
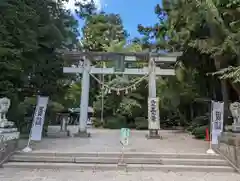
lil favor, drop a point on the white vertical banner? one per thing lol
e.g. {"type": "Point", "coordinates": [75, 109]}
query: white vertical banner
{"type": "Point", "coordinates": [153, 113]}
{"type": "Point", "coordinates": [38, 120]}
{"type": "Point", "coordinates": [217, 120]}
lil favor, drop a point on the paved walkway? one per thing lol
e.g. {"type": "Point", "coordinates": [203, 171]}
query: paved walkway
{"type": "Point", "coordinates": [103, 140]}
{"type": "Point", "coordinates": [63, 175]}
{"type": "Point", "coordinates": [108, 141]}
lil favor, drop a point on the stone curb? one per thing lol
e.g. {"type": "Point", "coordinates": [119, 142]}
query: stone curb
{"type": "Point", "coordinates": [128, 167]}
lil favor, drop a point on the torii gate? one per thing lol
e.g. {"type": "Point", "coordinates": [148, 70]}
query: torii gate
{"type": "Point", "coordinates": [121, 59]}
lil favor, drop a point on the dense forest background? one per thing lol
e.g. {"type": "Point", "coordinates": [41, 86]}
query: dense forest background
{"type": "Point", "coordinates": [34, 33]}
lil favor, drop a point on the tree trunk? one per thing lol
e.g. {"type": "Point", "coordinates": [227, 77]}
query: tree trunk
{"type": "Point", "coordinates": [236, 87]}
{"type": "Point", "coordinates": [221, 62]}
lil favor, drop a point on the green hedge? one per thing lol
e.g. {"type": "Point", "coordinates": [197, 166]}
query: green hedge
{"type": "Point", "coordinates": [131, 125]}
{"type": "Point", "coordinates": [169, 123]}
{"type": "Point", "coordinates": [198, 121]}
{"type": "Point", "coordinates": [200, 132]}
{"type": "Point", "coordinates": [116, 122]}
{"type": "Point", "coordinates": [141, 123]}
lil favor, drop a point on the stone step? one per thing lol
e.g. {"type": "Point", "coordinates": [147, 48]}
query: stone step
{"type": "Point", "coordinates": [128, 167]}
{"type": "Point", "coordinates": [126, 155]}
{"type": "Point", "coordinates": [115, 160]}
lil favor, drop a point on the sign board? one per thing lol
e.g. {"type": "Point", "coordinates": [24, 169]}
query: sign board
{"type": "Point", "coordinates": [153, 113]}
{"type": "Point", "coordinates": [130, 58]}
{"type": "Point", "coordinates": [38, 120]}
{"type": "Point", "coordinates": [124, 133]}
{"type": "Point", "coordinates": [217, 120]}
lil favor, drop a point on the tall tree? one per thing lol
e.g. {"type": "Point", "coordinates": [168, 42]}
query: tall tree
{"type": "Point", "coordinates": [212, 28]}
{"type": "Point", "coordinates": [206, 30]}
{"type": "Point", "coordinates": [101, 29]}
{"type": "Point", "coordinates": [32, 33]}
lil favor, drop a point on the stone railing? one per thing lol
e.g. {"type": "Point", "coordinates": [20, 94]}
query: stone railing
{"type": "Point", "coordinates": [8, 145]}
{"type": "Point", "coordinates": [229, 147]}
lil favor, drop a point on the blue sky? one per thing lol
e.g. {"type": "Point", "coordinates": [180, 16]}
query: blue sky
{"type": "Point", "coordinates": [132, 12]}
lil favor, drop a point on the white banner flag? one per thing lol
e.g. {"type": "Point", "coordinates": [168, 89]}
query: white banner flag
{"type": "Point", "coordinates": [38, 120]}
{"type": "Point", "coordinates": [217, 120]}
{"type": "Point", "coordinates": [153, 113]}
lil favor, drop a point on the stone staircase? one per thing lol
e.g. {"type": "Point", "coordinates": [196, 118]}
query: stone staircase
{"type": "Point", "coordinates": [133, 161]}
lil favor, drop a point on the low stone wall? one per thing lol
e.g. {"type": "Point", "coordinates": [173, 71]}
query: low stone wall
{"type": "Point", "coordinates": [7, 148]}
{"type": "Point", "coordinates": [229, 146]}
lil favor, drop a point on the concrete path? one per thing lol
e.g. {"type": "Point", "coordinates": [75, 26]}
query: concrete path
{"type": "Point", "coordinates": [63, 175]}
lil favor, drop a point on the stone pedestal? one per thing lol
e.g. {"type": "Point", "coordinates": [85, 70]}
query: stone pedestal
{"type": "Point", "coordinates": [82, 134]}
{"type": "Point", "coordinates": [6, 124]}
{"type": "Point", "coordinates": [153, 134]}
{"type": "Point", "coordinates": [8, 143]}
{"type": "Point", "coordinates": [9, 133]}
{"type": "Point", "coordinates": [229, 146]}
{"type": "Point", "coordinates": [236, 127]}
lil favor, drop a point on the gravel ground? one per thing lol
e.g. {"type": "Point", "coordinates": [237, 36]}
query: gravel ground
{"type": "Point", "coordinates": [103, 140]}
{"type": "Point", "coordinates": [66, 175]}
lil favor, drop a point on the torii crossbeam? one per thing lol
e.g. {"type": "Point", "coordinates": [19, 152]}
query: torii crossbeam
{"type": "Point", "coordinates": [121, 59]}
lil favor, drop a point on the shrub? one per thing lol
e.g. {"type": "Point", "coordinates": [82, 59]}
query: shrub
{"type": "Point", "coordinates": [131, 125]}
{"type": "Point", "coordinates": [169, 123]}
{"type": "Point", "coordinates": [203, 120]}
{"type": "Point", "coordinates": [26, 111]}
{"type": "Point", "coordinates": [198, 122]}
{"type": "Point", "coordinates": [97, 123]}
{"type": "Point", "coordinates": [200, 132]}
{"type": "Point", "coordinates": [141, 123]}
{"type": "Point", "coordinates": [116, 122]}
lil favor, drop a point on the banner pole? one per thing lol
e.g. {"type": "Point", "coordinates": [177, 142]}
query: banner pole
{"type": "Point", "coordinates": [210, 150]}
{"type": "Point", "coordinates": [28, 148]}
{"type": "Point", "coordinates": [211, 122]}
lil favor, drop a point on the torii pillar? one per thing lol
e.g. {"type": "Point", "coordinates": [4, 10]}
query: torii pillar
{"type": "Point", "coordinates": [153, 106]}
{"type": "Point", "coordinates": [82, 129]}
